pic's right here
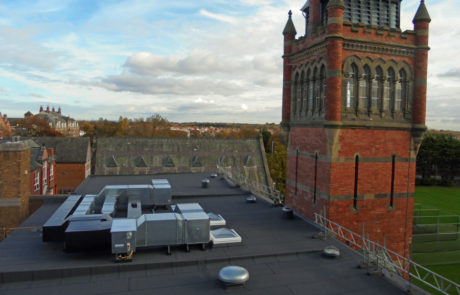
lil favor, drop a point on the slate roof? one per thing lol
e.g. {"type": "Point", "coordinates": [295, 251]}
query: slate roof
{"type": "Point", "coordinates": [279, 254]}
{"type": "Point", "coordinates": [129, 156]}
{"type": "Point", "coordinates": [66, 149]}
{"type": "Point", "coordinates": [35, 158]}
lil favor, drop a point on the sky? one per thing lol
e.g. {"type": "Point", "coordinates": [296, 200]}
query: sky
{"type": "Point", "coordinates": [187, 60]}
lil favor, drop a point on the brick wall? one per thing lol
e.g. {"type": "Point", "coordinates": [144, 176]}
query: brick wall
{"type": "Point", "coordinates": [69, 175]}
{"type": "Point", "coordinates": [335, 180]}
{"type": "Point", "coordinates": [14, 184]}
{"type": "Point", "coordinates": [380, 194]}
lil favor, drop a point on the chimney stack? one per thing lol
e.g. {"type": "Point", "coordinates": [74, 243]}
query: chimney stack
{"type": "Point", "coordinates": [59, 110]}
{"type": "Point", "coordinates": [41, 109]}
{"type": "Point", "coordinates": [53, 110]}
{"type": "Point", "coordinates": [47, 109]}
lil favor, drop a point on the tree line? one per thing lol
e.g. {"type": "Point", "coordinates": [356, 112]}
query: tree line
{"type": "Point", "coordinates": [438, 160]}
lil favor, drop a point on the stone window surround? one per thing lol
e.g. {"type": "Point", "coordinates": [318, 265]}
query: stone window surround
{"type": "Point", "coordinates": [37, 181]}
{"type": "Point", "coordinates": [394, 77]}
{"type": "Point", "coordinates": [309, 89]}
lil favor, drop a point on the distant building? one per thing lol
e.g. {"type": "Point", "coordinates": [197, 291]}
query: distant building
{"type": "Point", "coordinates": [73, 160]}
{"type": "Point", "coordinates": [131, 156]}
{"type": "Point", "coordinates": [5, 127]}
{"type": "Point", "coordinates": [63, 124]}
{"type": "Point", "coordinates": [42, 170]}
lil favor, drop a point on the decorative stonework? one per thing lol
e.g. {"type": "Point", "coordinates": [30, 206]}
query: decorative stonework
{"type": "Point", "coordinates": [377, 48]}
{"type": "Point", "coordinates": [313, 51]}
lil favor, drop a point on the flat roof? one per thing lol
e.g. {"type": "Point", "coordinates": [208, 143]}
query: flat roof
{"type": "Point", "coordinates": [280, 254]}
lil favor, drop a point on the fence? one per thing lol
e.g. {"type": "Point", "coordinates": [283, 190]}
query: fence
{"type": "Point", "coordinates": [388, 262]}
{"type": "Point", "coordinates": [433, 232]}
{"type": "Point", "coordinates": [238, 178]}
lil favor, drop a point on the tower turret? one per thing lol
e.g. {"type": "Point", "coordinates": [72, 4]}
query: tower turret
{"type": "Point", "coordinates": [421, 27]}
{"type": "Point", "coordinates": [289, 33]}
{"type": "Point", "coordinates": [354, 99]}
{"type": "Point", "coordinates": [334, 59]}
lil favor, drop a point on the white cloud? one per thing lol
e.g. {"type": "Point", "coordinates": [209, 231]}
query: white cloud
{"type": "Point", "coordinates": [215, 63]}
{"type": "Point", "coordinates": [219, 17]}
{"type": "Point", "coordinates": [19, 50]}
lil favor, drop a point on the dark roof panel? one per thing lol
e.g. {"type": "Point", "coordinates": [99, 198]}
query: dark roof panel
{"type": "Point", "coordinates": [66, 149]}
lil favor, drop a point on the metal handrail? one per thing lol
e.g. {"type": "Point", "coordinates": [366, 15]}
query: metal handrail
{"type": "Point", "coordinates": [389, 260]}
{"type": "Point", "coordinates": [253, 186]}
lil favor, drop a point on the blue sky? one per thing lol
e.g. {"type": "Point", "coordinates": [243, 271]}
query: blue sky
{"type": "Point", "coordinates": [208, 60]}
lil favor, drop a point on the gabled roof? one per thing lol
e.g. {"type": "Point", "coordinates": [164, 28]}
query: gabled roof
{"type": "Point", "coordinates": [67, 149]}
{"type": "Point", "coordinates": [35, 158]}
{"type": "Point", "coordinates": [140, 162]}
{"type": "Point", "coordinates": [110, 162]}
{"type": "Point", "coordinates": [174, 155]}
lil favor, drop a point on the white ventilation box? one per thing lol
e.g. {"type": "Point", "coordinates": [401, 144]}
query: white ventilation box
{"type": "Point", "coordinates": [216, 219]}
{"type": "Point", "coordinates": [225, 236]}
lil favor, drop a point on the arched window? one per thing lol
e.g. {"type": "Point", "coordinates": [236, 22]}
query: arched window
{"type": "Point", "coordinates": [373, 12]}
{"type": "Point", "coordinates": [365, 89]}
{"type": "Point", "coordinates": [322, 79]}
{"type": "Point", "coordinates": [401, 92]}
{"type": "Point", "coordinates": [302, 94]}
{"type": "Point", "coordinates": [311, 98]}
{"type": "Point", "coordinates": [391, 90]}
{"type": "Point", "coordinates": [315, 91]}
{"type": "Point", "coordinates": [296, 95]}
{"type": "Point", "coordinates": [377, 90]}
{"type": "Point", "coordinates": [308, 94]}
{"type": "Point", "coordinates": [355, 11]}
{"type": "Point", "coordinates": [323, 12]}
{"type": "Point", "coordinates": [355, 189]}
{"type": "Point", "coordinates": [352, 87]}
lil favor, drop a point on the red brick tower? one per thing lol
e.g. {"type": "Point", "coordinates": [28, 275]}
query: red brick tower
{"type": "Point", "coordinates": [354, 99]}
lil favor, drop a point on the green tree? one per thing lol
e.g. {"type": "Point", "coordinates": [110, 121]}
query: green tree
{"type": "Point", "coordinates": [439, 155]}
{"type": "Point", "coordinates": [266, 137]}
{"type": "Point", "coordinates": [277, 164]}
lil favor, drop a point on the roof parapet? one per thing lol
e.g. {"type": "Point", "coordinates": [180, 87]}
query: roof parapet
{"type": "Point", "coordinates": [336, 4]}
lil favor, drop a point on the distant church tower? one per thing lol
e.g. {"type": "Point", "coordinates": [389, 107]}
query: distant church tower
{"type": "Point", "coordinates": [354, 100]}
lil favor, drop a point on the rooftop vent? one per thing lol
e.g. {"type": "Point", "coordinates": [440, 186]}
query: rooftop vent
{"type": "Point", "coordinates": [251, 199]}
{"type": "Point", "coordinates": [205, 182]}
{"type": "Point", "coordinates": [287, 212]}
{"type": "Point", "coordinates": [233, 275]}
{"type": "Point", "coordinates": [216, 219]}
{"type": "Point", "coordinates": [331, 252]}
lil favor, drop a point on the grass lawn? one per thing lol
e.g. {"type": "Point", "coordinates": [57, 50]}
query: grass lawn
{"type": "Point", "coordinates": [447, 199]}
{"type": "Point", "coordinates": [450, 271]}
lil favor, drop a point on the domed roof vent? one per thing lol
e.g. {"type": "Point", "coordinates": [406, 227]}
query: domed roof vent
{"type": "Point", "coordinates": [331, 252]}
{"type": "Point", "coordinates": [233, 275]}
